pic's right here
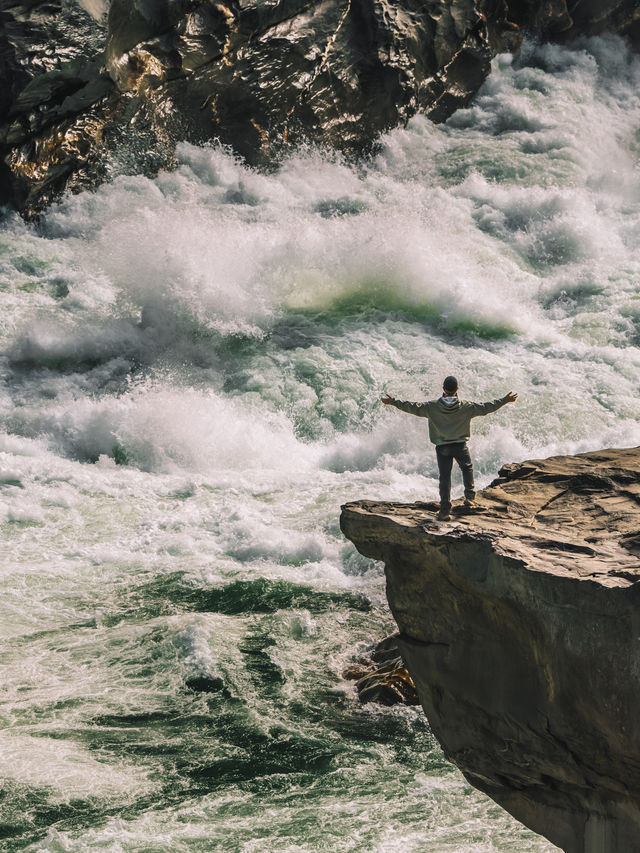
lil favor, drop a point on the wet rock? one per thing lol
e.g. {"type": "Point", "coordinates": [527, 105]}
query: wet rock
{"type": "Point", "coordinates": [205, 684]}
{"type": "Point", "coordinates": [50, 123]}
{"type": "Point", "coordinates": [519, 622]}
{"type": "Point", "coordinates": [562, 20]}
{"type": "Point", "coordinates": [85, 97]}
{"type": "Point", "coordinates": [382, 676]}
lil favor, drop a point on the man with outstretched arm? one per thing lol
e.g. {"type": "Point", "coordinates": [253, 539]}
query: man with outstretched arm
{"type": "Point", "coordinates": [449, 429]}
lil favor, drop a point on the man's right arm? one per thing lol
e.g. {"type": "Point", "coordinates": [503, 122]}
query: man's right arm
{"type": "Point", "coordinates": [421, 410]}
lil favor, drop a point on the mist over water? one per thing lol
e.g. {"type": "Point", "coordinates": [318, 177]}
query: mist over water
{"type": "Point", "coordinates": [191, 368]}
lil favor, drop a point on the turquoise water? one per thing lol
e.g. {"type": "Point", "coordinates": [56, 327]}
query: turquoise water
{"type": "Point", "coordinates": [191, 369]}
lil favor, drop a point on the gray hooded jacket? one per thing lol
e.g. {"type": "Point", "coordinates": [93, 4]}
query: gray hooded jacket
{"type": "Point", "coordinates": [449, 417]}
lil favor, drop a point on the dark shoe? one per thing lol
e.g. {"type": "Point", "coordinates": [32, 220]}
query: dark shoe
{"type": "Point", "coordinates": [469, 502]}
{"type": "Point", "coordinates": [444, 515]}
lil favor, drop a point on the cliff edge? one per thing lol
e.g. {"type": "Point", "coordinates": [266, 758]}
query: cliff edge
{"type": "Point", "coordinates": [520, 625]}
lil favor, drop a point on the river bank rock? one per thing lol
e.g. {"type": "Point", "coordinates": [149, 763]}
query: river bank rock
{"type": "Point", "coordinates": [381, 675]}
{"type": "Point", "coordinates": [520, 625]}
{"type": "Point", "coordinates": [88, 95]}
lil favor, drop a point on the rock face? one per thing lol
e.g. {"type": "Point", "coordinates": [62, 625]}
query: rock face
{"type": "Point", "coordinates": [51, 118]}
{"type": "Point", "coordinates": [258, 75]}
{"type": "Point", "coordinates": [520, 625]}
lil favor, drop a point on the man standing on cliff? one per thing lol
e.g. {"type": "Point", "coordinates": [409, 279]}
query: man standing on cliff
{"type": "Point", "coordinates": [449, 429]}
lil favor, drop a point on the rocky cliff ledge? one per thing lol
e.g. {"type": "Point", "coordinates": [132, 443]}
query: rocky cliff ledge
{"type": "Point", "coordinates": [520, 625]}
{"type": "Point", "coordinates": [83, 92]}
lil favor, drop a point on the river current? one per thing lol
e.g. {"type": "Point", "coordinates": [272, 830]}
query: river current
{"type": "Point", "coordinates": [191, 372]}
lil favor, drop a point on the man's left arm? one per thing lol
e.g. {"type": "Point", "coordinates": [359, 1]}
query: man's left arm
{"type": "Point", "coordinates": [486, 408]}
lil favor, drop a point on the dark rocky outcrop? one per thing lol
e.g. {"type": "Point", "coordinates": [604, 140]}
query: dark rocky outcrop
{"type": "Point", "coordinates": [381, 675]}
{"type": "Point", "coordinates": [258, 75]}
{"type": "Point", "coordinates": [563, 19]}
{"type": "Point", "coordinates": [520, 625]}
{"type": "Point", "coordinates": [51, 123]}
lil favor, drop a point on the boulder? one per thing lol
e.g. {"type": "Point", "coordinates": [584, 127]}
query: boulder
{"type": "Point", "coordinates": [381, 675]}
{"type": "Point", "coordinates": [519, 622]}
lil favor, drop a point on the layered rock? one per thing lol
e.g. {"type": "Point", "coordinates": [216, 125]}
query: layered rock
{"type": "Point", "coordinates": [381, 675]}
{"type": "Point", "coordinates": [520, 625]}
{"type": "Point", "coordinates": [258, 75]}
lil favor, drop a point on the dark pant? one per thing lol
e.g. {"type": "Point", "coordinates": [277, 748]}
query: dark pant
{"type": "Point", "coordinates": [446, 453]}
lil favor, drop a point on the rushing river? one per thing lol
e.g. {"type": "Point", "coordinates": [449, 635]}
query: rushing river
{"type": "Point", "coordinates": [191, 373]}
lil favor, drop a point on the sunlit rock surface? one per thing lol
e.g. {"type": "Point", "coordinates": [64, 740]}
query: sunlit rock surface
{"type": "Point", "coordinates": [520, 625]}
{"type": "Point", "coordinates": [86, 94]}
